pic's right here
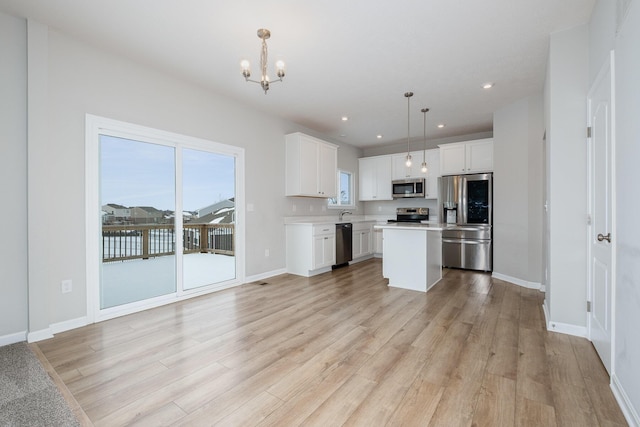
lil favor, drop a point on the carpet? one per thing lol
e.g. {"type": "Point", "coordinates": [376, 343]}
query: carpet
{"type": "Point", "coordinates": [28, 396]}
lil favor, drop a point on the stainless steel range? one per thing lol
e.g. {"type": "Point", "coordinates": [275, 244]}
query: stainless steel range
{"type": "Point", "coordinates": [411, 215]}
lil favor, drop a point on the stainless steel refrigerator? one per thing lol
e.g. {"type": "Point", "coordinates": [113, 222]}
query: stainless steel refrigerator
{"type": "Point", "coordinates": [466, 208]}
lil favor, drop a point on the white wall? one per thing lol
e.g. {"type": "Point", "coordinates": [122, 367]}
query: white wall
{"type": "Point", "coordinates": [13, 179]}
{"type": "Point", "coordinates": [517, 218]}
{"type": "Point", "coordinates": [69, 79]}
{"type": "Point", "coordinates": [626, 374]}
{"type": "Point", "coordinates": [566, 134]}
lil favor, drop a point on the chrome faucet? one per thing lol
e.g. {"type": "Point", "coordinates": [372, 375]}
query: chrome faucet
{"type": "Point", "coordinates": [343, 213]}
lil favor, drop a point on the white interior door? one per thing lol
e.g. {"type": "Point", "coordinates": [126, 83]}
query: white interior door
{"type": "Point", "coordinates": [601, 238]}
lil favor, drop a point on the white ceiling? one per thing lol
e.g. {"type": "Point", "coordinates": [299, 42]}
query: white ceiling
{"type": "Point", "coordinates": [344, 57]}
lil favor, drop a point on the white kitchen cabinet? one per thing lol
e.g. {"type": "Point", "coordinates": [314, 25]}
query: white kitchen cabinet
{"type": "Point", "coordinates": [374, 178]}
{"type": "Point", "coordinates": [377, 243]}
{"type": "Point", "coordinates": [399, 169]}
{"type": "Point", "coordinates": [311, 166]}
{"type": "Point", "coordinates": [311, 249]}
{"type": "Point", "coordinates": [466, 157]}
{"type": "Point", "coordinates": [433, 172]}
{"type": "Point", "coordinates": [362, 242]}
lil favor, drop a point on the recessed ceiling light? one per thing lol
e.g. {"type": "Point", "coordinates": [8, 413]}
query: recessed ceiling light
{"type": "Point", "coordinates": [345, 118]}
{"type": "Point", "coordinates": [441, 125]}
{"type": "Point", "coordinates": [487, 85]}
{"type": "Point", "coordinates": [379, 136]}
{"type": "Point", "coordinates": [342, 135]}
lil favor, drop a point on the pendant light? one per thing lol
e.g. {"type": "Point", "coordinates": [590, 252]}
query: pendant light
{"type": "Point", "coordinates": [408, 95]}
{"type": "Point", "coordinates": [424, 168]}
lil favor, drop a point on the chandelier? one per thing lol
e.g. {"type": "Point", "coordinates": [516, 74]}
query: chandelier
{"type": "Point", "coordinates": [263, 34]}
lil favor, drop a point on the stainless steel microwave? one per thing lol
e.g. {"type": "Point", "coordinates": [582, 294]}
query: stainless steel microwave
{"type": "Point", "coordinates": [413, 187]}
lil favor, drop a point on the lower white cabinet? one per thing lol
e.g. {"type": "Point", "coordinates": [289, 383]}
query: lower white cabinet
{"type": "Point", "coordinates": [311, 249]}
{"type": "Point", "coordinates": [377, 243]}
{"type": "Point", "coordinates": [362, 240]}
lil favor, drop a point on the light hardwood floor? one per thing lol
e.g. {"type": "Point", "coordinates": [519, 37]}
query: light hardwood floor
{"type": "Point", "coordinates": [341, 348]}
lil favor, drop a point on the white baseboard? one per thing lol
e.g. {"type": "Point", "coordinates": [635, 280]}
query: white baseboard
{"type": "Point", "coordinates": [263, 276]}
{"type": "Point", "coordinates": [56, 328]}
{"type": "Point", "coordinates": [41, 335]}
{"type": "Point", "coordinates": [13, 338]}
{"type": "Point", "coordinates": [629, 412]}
{"type": "Point", "coordinates": [567, 328]}
{"type": "Point", "coordinates": [563, 328]}
{"type": "Point", "coordinates": [516, 281]}
{"type": "Point", "coordinates": [67, 325]}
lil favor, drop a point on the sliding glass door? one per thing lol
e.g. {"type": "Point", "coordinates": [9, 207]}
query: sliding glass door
{"type": "Point", "coordinates": [168, 219]}
{"type": "Point", "coordinates": [208, 220]}
{"type": "Point", "coordinates": [138, 193]}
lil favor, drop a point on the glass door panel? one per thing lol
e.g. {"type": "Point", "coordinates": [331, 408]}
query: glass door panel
{"type": "Point", "coordinates": [208, 218]}
{"type": "Point", "coordinates": [137, 196]}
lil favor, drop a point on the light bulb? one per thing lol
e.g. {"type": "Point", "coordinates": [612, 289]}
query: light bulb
{"type": "Point", "coordinates": [280, 69]}
{"type": "Point", "coordinates": [244, 64]}
{"type": "Point", "coordinates": [408, 163]}
{"type": "Point", "coordinates": [424, 167]}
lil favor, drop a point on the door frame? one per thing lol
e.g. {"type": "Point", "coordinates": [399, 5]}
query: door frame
{"type": "Point", "coordinates": [608, 66]}
{"type": "Point", "coordinates": [93, 127]}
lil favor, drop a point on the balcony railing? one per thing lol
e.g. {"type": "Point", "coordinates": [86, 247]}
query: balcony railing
{"type": "Point", "coordinates": [125, 242]}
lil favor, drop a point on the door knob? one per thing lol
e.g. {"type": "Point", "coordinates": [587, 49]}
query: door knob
{"type": "Point", "coordinates": [602, 237]}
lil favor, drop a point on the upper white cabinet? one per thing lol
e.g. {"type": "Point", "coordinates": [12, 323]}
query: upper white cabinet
{"type": "Point", "coordinates": [311, 166]}
{"type": "Point", "coordinates": [466, 157]}
{"type": "Point", "coordinates": [433, 172]}
{"type": "Point", "coordinates": [374, 178]}
{"type": "Point", "coordinates": [399, 167]}
{"type": "Point", "coordinates": [432, 157]}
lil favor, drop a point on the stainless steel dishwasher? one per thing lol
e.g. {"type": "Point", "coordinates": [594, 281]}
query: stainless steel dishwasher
{"type": "Point", "coordinates": [344, 242]}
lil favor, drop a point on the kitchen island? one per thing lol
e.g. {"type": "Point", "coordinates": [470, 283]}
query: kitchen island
{"type": "Point", "coordinates": [412, 255]}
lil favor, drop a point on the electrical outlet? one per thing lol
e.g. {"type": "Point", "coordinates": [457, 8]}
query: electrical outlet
{"type": "Point", "coordinates": [249, 207]}
{"type": "Point", "coordinates": [379, 208]}
{"type": "Point", "coordinates": [66, 286]}
{"type": "Point", "coordinates": [266, 252]}
{"type": "Point", "coordinates": [294, 208]}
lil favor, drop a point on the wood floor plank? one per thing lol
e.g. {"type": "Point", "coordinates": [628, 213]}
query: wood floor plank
{"type": "Point", "coordinates": [338, 348]}
{"type": "Point", "coordinates": [418, 404]}
{"type": "Point", "coordinates": [341, 404]}
{"type": "Point", "coordinates": [301, 405]}
{"type": "Point", "coordinates": [496, 404]}
{"type": "Point", "coordinates": [532, 413]}
{"type": "Point", "coordinates": [252, 412]}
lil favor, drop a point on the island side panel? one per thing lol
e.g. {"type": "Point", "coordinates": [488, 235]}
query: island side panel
{"type": "Point", "coordinates": [404, 260]}
{"type": "Point", "coordinates": [434, 257]}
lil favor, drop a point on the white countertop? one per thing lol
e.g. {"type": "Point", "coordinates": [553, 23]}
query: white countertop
{"type": "Point", "coordinates": [318, 220]}
{"type": "Point", "coordinates": [411, 226]}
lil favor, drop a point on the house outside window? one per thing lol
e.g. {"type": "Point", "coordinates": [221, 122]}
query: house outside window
{"type": "Point", "coordinates": [345, 191]}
